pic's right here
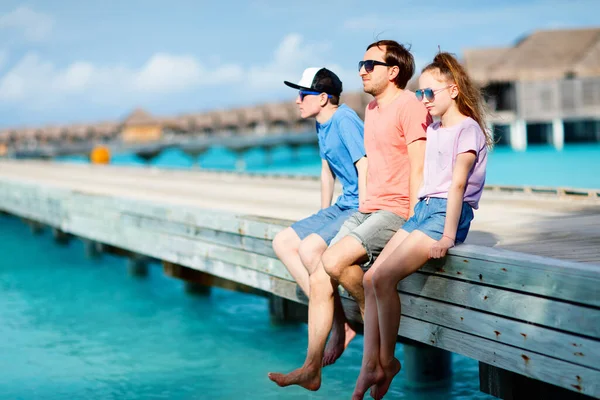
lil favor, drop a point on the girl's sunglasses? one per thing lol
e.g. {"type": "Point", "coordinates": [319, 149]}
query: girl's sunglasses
{"type": "Point", "coordinates": [304, 93]}
{"type": "Point", "coordinates": [370, 65]}
{"type": "Point", "coordinates": [429, 93]}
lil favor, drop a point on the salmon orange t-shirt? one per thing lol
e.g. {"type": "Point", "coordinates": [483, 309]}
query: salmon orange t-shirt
{"type": "Point", "coordinates": [388, 132]}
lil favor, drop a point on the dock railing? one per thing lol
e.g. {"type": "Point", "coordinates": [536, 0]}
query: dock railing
{"type": "Point", "coordinates": [519, 315]}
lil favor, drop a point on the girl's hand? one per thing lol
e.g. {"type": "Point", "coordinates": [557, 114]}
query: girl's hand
{"type": "Point", "coordinates": [440, 248]}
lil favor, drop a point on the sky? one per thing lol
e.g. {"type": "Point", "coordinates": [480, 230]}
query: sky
{"type": "Point", "coordinates": [73, 61]}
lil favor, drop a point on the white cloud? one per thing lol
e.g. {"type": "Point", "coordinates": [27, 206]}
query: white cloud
{"type": "Point", "coordinates": [290, 58]}
{"type": "Point", "coordinates": [168, 73]}
{"type": "Point", "coordinates": [34, 82]}
{"type": "Point", "coordinates": [39, 81]}
{"type": "Point", "coordinates": [33, 25]}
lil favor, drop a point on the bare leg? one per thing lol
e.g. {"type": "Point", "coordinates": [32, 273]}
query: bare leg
{"type": "Point", "coordinates": [341, 333]}
{"type": "Point", "coordinates": [341, 257]}
{"type": "Point", "coordinates": [341, 263]}
{"type": "Point", "coordinates": [404, 260]}
{"type": "Point", "coordinates": [311, 250]}
{"type": "Point", "coordinates": [320, 320]}
{"type": "Point", "coordinates": [286, 245]}
{"type": "Point", "coordinates": [371, 372]}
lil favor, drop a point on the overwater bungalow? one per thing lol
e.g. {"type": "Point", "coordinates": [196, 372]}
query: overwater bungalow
{"type": "Point", "coordinates": [202, 124]}
{"type": "Point", "coordinates": [544, 89]}
{"type": "Point", "coordinates": [140, 126]}
{"type": "Point", "coordinates": [254, 120]}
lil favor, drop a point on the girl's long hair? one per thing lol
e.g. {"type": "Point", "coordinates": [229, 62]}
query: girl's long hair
{"type": "Point", "coordinates": [469, 100]}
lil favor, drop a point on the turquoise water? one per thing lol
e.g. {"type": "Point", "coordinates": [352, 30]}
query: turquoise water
{"type": "Point", "coordinates": [76, 328]}
{"type": "Point", "coordinates": [577, 165]}
{"type": "Point", "coordinates": [73, 328]}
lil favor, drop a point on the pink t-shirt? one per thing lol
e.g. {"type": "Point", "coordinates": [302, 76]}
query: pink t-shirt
{"type": "Point", "coordinates": [443, 145]}
{"type": "Point", "coordinates": [388, 132]}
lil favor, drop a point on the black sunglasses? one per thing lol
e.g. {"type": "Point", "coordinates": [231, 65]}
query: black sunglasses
{"type": "Point", "coordinates": [370, 65]}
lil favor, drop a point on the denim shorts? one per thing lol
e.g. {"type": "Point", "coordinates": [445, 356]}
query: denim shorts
{"type": "Point", "coordinates": [326, 223]}
{"type": "Point", "coordinates": [430, 217]}
{"type": "Point", "coordinates": [372, 230]}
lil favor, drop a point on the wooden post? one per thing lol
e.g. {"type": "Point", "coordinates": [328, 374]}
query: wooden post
{"type": "Point", "coordinates": [508, 385]}
{"type": "Point", "coordinates": [284, 310]}
{"type": "Point", "coordinates": [137, 265]}
{"type": "Point", "coordinates": [426, 366]}
{"type": "Point", "coordinates": [35, 227]}
{"type": "Point", "coordinates": [92, 249]}
{"type": "Point", "coordinates": [196, 282]}
{"type": "Point", "coordinates": [60, 237]}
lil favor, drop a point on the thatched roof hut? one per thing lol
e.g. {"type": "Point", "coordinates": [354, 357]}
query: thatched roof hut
{"type": "Point", "coordinates": [140, 117]}
{"type": "Point", "coordinates": [53, 133]}
{"type": "Point", "coordinates": [80, 132]}
{"type": "Point", "coordinates": [252, 116]}
{"type": "Point", "coordinates": [543, 55]}
{"type": "Point", "coordinates": [176, 124]}
{"type": "Point", "coordinates": [6, 136]}
{"type": "Point", "coordinates": [106, 130]}
{"type": "Point", "coordinates": [227, 119]}
{"type": "Point", "coordinates": [280, 112]}
{"type": "Point", "coordinates": [202, 122]}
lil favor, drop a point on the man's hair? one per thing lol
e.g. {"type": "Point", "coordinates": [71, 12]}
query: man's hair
{"type": "Point", "coordinates": [334, 100]}
{"type": "Point", "coordinates": [396, 54]}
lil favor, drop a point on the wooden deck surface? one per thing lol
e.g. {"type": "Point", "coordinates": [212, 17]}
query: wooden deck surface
{"type": "Point", "coordinates": [546, 225]}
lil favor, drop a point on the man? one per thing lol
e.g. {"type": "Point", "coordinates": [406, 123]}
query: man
{"type": "Point", "coordinates": [341, 146]}
{"type": "Point", "coordinates": [395, 126]}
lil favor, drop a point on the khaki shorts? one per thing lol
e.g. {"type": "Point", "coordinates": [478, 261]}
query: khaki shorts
{"type": "Point", "coordinates": [372, 230]}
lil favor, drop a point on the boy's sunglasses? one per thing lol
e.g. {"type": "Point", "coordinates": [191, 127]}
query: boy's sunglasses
{"type": "Point", "coordinates": [429, 93]}
{"type": "Point", "coordinates": [370, 65]}
{"type": "Point", "coordinates": [304, 93]}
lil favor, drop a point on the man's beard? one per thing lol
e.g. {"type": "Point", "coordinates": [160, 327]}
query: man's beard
{"type": "Point", "coordinates": [374, 89]}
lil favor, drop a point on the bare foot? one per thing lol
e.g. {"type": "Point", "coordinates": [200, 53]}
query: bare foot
{"type": "Point", "coordinates": [335, 345]}
{"type": "Point", "coordinates": [308, 378]}
{"type": "Point", "coordinates": [370, 375]}
{"type": "Point", "coordinates": [379, 390]}
{"type": "Point", "coordinates": [339, 340]}
{"type": "Point", "coordinates": [350, 334]}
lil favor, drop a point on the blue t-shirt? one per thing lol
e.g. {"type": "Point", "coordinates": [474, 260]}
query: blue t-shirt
{"type": "Point", "coordinates": [341, 144]}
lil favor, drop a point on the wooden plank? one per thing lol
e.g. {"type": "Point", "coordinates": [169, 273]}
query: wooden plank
{"type": "Point", "coordinates": [522, 335]}
{"type": "Point", "coordinates": [569, 347]}
{"type": "Point", "coordinates": [577, 284]}
{"type": "Point", "coordinates": [553, 316]}
{"type": "Point", "coordinates": [554, 278]}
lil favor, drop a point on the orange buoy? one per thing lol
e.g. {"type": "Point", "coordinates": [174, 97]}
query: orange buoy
{"type": "Point", "coordinates": [100, 155]}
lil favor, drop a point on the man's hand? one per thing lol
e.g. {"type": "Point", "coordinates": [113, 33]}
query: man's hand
{"type": "Point", "coordinates": [440, 248]}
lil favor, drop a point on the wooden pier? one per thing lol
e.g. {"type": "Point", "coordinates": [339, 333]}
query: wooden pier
{"type": "Point", "coordinates": [522, 296]}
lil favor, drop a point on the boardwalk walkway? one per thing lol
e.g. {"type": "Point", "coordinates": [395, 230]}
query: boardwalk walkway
{"type": "Point", "coordinates": [566, 227]}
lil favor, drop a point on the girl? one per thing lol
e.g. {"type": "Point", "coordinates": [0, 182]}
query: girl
{"type": "Point", "coordinates": [453, 179]}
